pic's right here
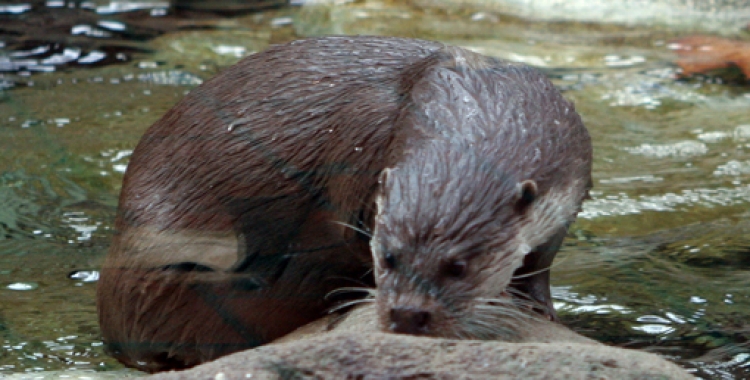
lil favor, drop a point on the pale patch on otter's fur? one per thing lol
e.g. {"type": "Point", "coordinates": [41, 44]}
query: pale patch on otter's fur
{"type": "Point", "coordinates": [558, 208]}
{"type": "Point", "coordinates": [147, 247]}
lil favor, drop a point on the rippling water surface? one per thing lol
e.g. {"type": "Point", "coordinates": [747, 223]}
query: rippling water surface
{"type": "Point", "coordinates": [660, 257]}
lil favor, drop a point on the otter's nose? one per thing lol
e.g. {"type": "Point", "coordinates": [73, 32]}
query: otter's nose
{"type": "Point", "coordinates": [409, 320]}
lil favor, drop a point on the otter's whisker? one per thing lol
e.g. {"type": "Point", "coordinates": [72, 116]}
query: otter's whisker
{"type": "Point", "coordinates": [506, 307]}
{"type": "Point", "coordinates": [496, 318]}
{"type": "Point", "coordinates": [515, 293]}
{"type": "Point", "coordinates": [502, 311]}
{"type": "Point", "coordinates": [363, 232]}
{"type": "Point", "coordinates": [490, 301]}
{"type": "Point", "coordinates": [369, 291]}
{"type": "Point", "coordinates": [525, 275]}
{"type": "Point", "coordinates": [521, 299]}
{"type": "Point", "coordinates": [349, 303]}
{"type": "Point", "coordinates": [486, 327]}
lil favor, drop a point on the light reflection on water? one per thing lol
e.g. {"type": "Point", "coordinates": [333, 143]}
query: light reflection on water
{"type": "Point", "coordinates": [111, 161]}
{"type": "Point", "coordinates": [47, 320]}
{"type": "Point", "coordinates": [623, 204]}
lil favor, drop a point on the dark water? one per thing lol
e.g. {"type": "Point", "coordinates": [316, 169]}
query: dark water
{"type": "Point", "coordinates": [660, 257]}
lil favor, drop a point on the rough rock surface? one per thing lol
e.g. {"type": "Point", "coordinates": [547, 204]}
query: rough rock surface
{"type": "Point", "coordinates": [353, 349]}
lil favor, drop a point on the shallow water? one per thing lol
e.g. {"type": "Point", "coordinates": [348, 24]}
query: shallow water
{"type": "Point", "coordinates": [659, 260]}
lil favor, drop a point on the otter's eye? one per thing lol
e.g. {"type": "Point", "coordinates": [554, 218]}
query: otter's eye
{"type": "Point", "coordinates": [526, 194]}
{"type": "Point", "coordinates": [390, 260]}
{"type": "Point", "coordinates": [455, 268]}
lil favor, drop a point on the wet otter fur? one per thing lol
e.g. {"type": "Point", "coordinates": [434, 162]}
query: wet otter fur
{"type": "Point", "coordinates": [281, 179]}
{"type": "Point", "coordinates": [494, 168]}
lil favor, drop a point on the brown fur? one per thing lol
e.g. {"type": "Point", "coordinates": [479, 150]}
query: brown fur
{"type": "Point", "coordinates": [277, 154]}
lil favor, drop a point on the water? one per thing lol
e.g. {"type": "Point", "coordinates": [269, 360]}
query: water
{"type": "Point", "coordinates": [659, 259]}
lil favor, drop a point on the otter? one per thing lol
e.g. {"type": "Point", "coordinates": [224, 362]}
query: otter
{"type": "Point", "coordinates": [446, 178]}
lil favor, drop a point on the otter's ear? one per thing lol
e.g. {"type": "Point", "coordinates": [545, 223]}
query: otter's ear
{"type": "Point", "coordinates": [379, 197]}
{"type": "Point", "coordinates": [384, 176]}
{"type": "Point", "coordinates": [527, 191]}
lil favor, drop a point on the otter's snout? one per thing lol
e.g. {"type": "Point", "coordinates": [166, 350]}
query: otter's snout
{"type": "Point", "coordinates": [409, 320]}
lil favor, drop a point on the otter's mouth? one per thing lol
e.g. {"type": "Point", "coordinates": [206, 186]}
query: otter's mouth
{"type": "Point", "coordinates": [410, 320]}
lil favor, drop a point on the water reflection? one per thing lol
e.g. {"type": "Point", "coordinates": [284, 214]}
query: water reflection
{"type": "Point", "coordinates": [47, 320]}
{"type": "Point", "coordinates": [22, 286]}
{"type": "Point", "coordinates": [84, 276]}
{"type": "Point", "coordinates": [623, 204]}
{"type": "Point", "coordinates": [45, 36]}
{"type": "Point", "coordinates": [684, 302]}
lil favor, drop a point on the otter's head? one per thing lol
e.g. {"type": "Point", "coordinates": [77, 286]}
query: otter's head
{"type": "Point", "coordinates": [493, 163]}
{"type": "Point", "coordinates": [451, 229]}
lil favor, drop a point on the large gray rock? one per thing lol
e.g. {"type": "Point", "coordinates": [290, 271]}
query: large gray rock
{"type": "Point", "coordinates": [352, 348]}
